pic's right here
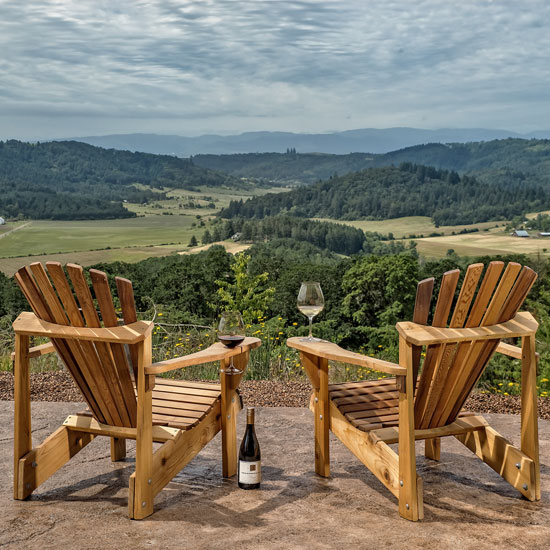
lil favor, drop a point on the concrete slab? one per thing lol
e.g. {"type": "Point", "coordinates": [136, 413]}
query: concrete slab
{"type": "Point", "coordinates": [85, 504]}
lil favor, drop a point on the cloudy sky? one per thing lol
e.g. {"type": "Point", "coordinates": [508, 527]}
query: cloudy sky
{"type": "Point", "coordinates": [94, 67]}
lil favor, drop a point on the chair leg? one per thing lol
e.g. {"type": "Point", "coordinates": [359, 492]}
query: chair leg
{"type": "Point", "coordinates": [410, 485]}
{"type": "Point", "coordinates": [140, 499]}
{"type": "Point", "coordinates": [529, 413]}
{"type": "Point", "coordinates": [433, 448]}
{"type": "Point", "coordinates": [322, 421]}
{"type": "Point", "coordinates": [228, 420]}
{"type": "Point", "coordinates": [118, 449]}
{"type": "Point", "coordinates": [22, 420]}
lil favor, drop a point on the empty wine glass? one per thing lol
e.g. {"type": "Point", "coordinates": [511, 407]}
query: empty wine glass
{"type": "Point", "coordinates": [310, 302]}
{"type": "Point", "coordinates": [231, 333]}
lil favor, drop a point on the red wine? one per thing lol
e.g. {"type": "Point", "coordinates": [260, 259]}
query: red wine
{"type": "Point", "coordinates": [250, 465]}
{"type": "Point", "coordinates": [230, 341]}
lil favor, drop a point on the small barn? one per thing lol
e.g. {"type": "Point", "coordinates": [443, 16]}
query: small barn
{"type": "Point", "coordinates": [520, 233]}
{"type": "Point", "coordinates": [2, 221]}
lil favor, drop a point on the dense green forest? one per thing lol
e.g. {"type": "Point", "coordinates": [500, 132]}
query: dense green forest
{"type": "Point", "coordinates": [520, 160]}
{"type": "Point", "coordinates": [72, 180]}
{"type": "Point", "coordinates": [391, 192]}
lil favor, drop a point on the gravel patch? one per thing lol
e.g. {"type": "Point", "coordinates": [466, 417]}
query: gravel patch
{"type": "Point", "coordinates": [58, 386]}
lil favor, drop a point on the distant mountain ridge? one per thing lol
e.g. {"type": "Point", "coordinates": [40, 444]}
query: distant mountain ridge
{"type": "Point", "coordinates": [367, 140]}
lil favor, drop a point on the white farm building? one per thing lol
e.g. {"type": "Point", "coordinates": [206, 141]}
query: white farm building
{"type": "Point", "coordinates": [2, 221]}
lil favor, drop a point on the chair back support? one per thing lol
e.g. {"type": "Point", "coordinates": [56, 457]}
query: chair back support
{"type": "Point", "coordinates": [100, 370]}
{"type": "Point", "coordinates": [450, 371]}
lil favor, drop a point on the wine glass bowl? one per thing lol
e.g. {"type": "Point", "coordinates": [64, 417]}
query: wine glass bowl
{"type": "Point", "coordinates": [310, 302]}
{"type": "Point", "coordinates": [231, 332]}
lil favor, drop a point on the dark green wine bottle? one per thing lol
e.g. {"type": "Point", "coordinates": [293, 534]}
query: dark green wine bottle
{"type": "Point", "coordinates": [250, 465]}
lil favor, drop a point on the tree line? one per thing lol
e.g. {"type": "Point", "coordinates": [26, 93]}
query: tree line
{"type": "Point", "coordinates": [339, 238]}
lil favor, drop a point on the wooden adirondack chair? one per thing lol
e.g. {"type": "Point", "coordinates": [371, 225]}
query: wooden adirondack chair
{"type": "Point", "coordinates": [368, 416]}
{"type": "Point", "coordinates": [123, 403]}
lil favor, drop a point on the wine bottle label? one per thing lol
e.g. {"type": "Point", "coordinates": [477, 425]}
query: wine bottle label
{"type": "Point", "coordinates": [250, 472]}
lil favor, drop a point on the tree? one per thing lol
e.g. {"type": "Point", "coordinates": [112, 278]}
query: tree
{"type": "Point", "coordinates": [206, 237]}
{"type": "Point", "coordinates": [246, 293]}
{"type": "Point", "coordinates": [193, 241]}
{"type": "Point", "coordinates": [380, 290]}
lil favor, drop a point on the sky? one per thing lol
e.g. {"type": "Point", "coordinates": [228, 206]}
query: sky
{"type": "Point", "coordinates": [95, 67]}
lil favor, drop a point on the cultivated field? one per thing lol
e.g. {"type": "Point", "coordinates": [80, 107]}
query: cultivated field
{"type": "Point", "coordinates": [479, 244]}
{"type": "Point", "coordinates": [162, 228]}
{"type": "Point", "coordinates": [412, 225]}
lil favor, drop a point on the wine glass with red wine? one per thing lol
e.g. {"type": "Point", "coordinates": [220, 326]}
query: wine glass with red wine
{"type": "Point", "coordinates": [231, 333]}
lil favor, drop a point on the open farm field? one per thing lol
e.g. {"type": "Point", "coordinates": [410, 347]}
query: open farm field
{"type": "Point", "coordinates": [130, 254]}
{"type": "Point", "coordinates": [413, 225]}
{"type": "Point", "coordinates": [47, 237]}
{"type": "Point", "coordinates": [479, 244]}
{"type": "Point", "coordinates": [161, 228]}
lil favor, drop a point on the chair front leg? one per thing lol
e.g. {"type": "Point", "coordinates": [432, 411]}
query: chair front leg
{"type": "Point", "coordinates": [410, 490]}
{"type": "Point", "coordinates": [22, 421]}
{"type": "Point", "coordinates": [317, 371]}
{"type": "Point", "coordinates": [229, 409]}
{"type": "Point", "coordinates": [140, 501]}
{"type": "Point", "coordinates": [529, 413]}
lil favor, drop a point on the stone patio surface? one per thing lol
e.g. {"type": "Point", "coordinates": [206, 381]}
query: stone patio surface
{"type": "Point", "coordinates": [84, 505]}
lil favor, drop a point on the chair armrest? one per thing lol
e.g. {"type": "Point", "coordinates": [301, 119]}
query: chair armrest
{"type": "Point", "coordinates": [512, 351]}
{"type": "Point", "coordinates": [29, 324]}
{"type": "Point", "coordinates": [37, 351]}
{"type": "Point", "coordinates": [336, 353]}
{"type": "Point", "coordinates": [216, 352]}
{"type": "Point", "coordinates": [523, 324]}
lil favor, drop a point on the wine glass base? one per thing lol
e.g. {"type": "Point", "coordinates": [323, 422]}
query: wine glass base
{"type": "Point", "coordinates": [311, 339]}
{"type": "Point", "coordinates": [231, 370]}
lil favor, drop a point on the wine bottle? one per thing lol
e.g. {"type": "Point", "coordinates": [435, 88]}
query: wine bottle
{"type": "Point", "coordinates": [250, 466]}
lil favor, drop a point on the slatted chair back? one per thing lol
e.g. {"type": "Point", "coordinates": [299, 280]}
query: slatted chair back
{"type": "Point", "coordinates": [450, 371]}
{"type": "Point", "coordinates": [100, 370]}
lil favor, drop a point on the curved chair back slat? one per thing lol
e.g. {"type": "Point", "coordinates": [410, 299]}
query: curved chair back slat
{"type": "Point", "coordinates": [450, 371]}
{"type": "Point", "coordinates": [100, 370]}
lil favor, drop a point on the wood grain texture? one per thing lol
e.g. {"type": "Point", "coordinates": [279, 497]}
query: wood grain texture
{"type": "Point", "coordinates": [332, 352]}
{"type": "Point", "coordinates": [120, 373]}
{"type": "Point", "coordinates": [322, 421]}
{"type": "Point", "coordinates": [423, 300]}
{"type": "Point", "coordinates": [441, 314]}
{"type": "Point", "coordinates": [125, 293]}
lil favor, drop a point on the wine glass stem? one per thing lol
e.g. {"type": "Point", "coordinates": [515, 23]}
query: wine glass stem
{"type": "Point", "coordinates": [310, 324]}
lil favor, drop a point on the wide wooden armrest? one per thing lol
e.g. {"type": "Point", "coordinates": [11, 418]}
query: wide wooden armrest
{"type": "Point", "coordinates": [512, 351]}
{"type": "Point", "coordinates": [37, 351]}
{"type": "Point", "coordinates": [216, 352]}
{"type": "Point", "coordinates": [523, 324]}
{"type": "Point", "coordinates": [336, 353]}
{"type": "Point", "coordinates": [29, 324]}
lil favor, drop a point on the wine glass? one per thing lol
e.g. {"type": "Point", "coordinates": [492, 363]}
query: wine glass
{"type": "Point", "coordinates": [231, 333]}
{"type": "Point", "coordinates": [310, 302]}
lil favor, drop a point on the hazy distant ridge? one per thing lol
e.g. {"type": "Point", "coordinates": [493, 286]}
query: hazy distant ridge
{"type": "Point", "coordinates": [368, 140]}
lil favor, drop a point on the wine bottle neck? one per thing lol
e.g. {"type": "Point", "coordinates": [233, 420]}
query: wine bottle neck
{"type": "Point", "coordinates": [250, 416]}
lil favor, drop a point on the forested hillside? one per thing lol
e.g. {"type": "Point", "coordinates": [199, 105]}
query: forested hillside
{"type": "Point", "coordinates": [410, 190]}
{"type": "Point", "coordinates": [522, 160]}
{"type": "Point", "coordinates": [71, 180]}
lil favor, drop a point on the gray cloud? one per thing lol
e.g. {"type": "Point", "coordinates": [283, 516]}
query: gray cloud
{"type": "Point", "coordinates": [96, 66]}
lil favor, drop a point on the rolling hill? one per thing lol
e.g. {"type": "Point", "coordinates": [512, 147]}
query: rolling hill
{"type": "Point", "coordinates": [393, 192]}
{"type": "Point", "coordinates": [72, 180]}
